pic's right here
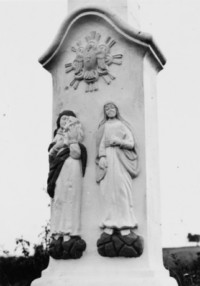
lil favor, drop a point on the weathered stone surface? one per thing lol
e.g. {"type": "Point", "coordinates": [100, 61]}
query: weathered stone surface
{"type": "Point", "coordinates": [55, 248]}
{"type": "Point", "coordinates": [130, 245]}
{"type": "Point", "coordinates": [110, 250]}
{"type": "Point", "coordinates": [129, 239]}
{"type": "Point", "coordinates": [104, 239]}
{"type": "Point", "coordinates": [117, 242]}
{"type": "Point", "coordinates": [71, 249]}
{"type": "Point", "coordinates": [139, 245]}
{"type": "Point", "coordinates": [101, 250]}
{"type": "Point", "coordinates": [134, 91]}
{"type": "Point", "coordinates": [128, 251]}
{"type": "Point", "coordinates": [77, 249]}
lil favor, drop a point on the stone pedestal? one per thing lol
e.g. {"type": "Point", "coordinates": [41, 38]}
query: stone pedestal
{"type": "Point", "coordinates": [100, 271]}
{"type": "Point", "coordinates": [131, 84]}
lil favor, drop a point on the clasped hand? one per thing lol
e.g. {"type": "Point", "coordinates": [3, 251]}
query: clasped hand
{"type": "Point", "coordinates": [113, 142]}
{"type": "Point", "coordinates": [59, 144]}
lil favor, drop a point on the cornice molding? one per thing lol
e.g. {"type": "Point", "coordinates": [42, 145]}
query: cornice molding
{"type": "Point", "coordinates": [144, 39]}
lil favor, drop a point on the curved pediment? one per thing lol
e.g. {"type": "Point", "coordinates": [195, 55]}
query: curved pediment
{"type": "Point", "coordinates": [134, 35]}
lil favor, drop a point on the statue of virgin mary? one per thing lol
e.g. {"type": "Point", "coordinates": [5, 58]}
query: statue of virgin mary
{"type": "Point", "coordinates": [117, 167]}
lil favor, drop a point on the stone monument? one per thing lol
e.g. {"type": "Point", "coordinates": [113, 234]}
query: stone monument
{"type": "Point", "coordinates": [103, 178]}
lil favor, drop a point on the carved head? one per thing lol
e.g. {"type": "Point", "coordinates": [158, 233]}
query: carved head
{"type": "Point", "coordinates": [63, 118]}
{"type": "Point", "coordinates": [90, 57]}
{"type": "Point", "coordinates": [111, 110]}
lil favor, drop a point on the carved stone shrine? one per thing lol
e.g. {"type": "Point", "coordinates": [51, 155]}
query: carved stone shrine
{"type": "Point", "coordinates": [103, 163]}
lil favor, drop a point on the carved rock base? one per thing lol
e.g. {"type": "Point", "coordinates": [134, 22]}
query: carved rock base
{"type": "Point", "coordinates": [71, 249]}
{"type": "Point", "coordinates": [130, 245]}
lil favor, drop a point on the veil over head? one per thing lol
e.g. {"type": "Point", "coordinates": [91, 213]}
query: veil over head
{"type": "Point", "coordinates": [103, 121]}
{"type": "Point", "coordinates": [65, 112]}
{"type": "Point", "coordinates": [130, 157]}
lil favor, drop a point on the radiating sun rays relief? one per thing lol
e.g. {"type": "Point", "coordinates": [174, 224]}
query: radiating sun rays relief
{"type": "Point", "coordinates": [92, 62]}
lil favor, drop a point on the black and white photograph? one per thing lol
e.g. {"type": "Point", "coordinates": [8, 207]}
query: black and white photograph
{"type": "Point", "coordinates": [100, 144]}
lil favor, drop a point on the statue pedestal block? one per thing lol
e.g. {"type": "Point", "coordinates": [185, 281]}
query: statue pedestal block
{"type": "Point", "coordinates": [102, 271]}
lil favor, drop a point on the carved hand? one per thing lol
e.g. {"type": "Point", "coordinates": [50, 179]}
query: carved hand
{"type": "Point", "coordinates": [103, 163]}
{"type": "Point", "coordinates": [75, 151]}
{"type": "Point", "coordinates": [59, 144]}
{"type": "Point", "coordinates": [115, 141]}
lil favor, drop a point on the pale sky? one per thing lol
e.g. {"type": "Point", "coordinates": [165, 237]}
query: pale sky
{"type": "Point", "coordinates": [26, 31]}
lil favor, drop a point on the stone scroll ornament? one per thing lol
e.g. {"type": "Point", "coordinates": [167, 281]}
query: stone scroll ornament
{"type": "Point", "coordinates": [67, 164]}
{"type": "Point", "coordinates": [92, 61]}
{"type": "Point", "coordinates": [117, 166]}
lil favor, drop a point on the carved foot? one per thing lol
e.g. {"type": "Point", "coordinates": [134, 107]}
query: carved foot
{"type": "Point", "coordinates": [71, 249]}
{"type": "Point", "coordinates": [114, 245]}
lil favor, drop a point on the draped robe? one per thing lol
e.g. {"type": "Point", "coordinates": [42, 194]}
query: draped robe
{"type": "Point", "coordinates": [116, 180]}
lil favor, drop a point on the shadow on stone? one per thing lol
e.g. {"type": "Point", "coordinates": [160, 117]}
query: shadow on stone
{"type": "Point", "coordinates": [55, 248]}
{"type": "Point", "coordinates": [114, 245]}
{"type": "Point", "coordinates": [71, 249]}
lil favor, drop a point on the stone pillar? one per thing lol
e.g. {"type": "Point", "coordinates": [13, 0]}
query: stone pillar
{"type": "Point", "coordinates": [132, 64]}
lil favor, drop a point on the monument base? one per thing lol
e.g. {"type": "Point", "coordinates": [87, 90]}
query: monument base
{"type": "Point", "coordinates": [112, 272]}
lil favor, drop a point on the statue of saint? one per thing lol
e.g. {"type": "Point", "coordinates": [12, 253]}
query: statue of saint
{"type": "Point", "coordinates": [67, 159]}
{"type": "Point", "coordinates": [117, 166]}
